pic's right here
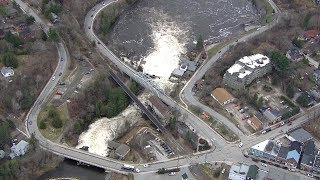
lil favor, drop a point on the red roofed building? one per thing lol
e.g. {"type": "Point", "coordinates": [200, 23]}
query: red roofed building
{"type": "Point", "coordinates": [4, 1]}
{"type": "Point", "coordinates": [310, 34]}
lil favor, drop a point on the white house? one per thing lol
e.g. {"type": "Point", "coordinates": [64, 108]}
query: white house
{"type": "Point", "coordinates": [7, 71]}
{"type": "Point", "coordinates": [20, 149]}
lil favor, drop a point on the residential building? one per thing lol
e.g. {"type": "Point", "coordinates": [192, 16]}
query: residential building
{"type": "Point", "coordinates": [294, 53]}
{"type": "Point", "coordinates": [311, 34]}
{"type": "Point", "coordinates": [2, 154]}
{"type": "Point", "coordinates": [26, 34]}
{"type": "Point", "coordinates": [272, 115]}
{"type": "Point", "coordinates": [191, 65]}
{"type": "Point", "coordinates": [282, 155]}
{"type": "Point", "coordinates": [316, 76]}
{"type": "Point", "coordinates": [252, 172]}
{"type": "Point", "coordinates": [238, 172]}
{"type": "Point", "coordinates": [54, 18]}
{"type": "Point", "coordinates": [222, 96]}
{"type": "Point", "coordinates": [316, 164]}
{"type": "Point", "coordinates": [161, 109]}
{"type": "Point", "coordinates": [293, 156]}
{"type": "Point", "coordinates": [308, 156]}
{"type": "Point", "coordinates": [4, 2]}
{"type": "Point", "coordinates": [20, 149]}
{"type": "Point", "coordinates": [7, 71]}
{"type": "Point", "coordinates": [275, 174]}
{"type": "Point", "coordinates": [262, 119]}
{"type": "Point", "coordinates": [255, 123]}
{"type": "Point", "coordinates": [299, 135]}
{"type": "Point", "coordinates": [245, 70]}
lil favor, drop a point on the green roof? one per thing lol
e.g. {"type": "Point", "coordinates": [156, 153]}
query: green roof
{"type": "Point", "coordinates": [184, 176]}
{"type": "Point", "coordinates": [253, 171]}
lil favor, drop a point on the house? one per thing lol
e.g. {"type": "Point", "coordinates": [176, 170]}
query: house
{"type": "Point", "coordinates": [282, 155]}
{"type": "Point", "coordinates": [272, 115]}
{"type": "Point", "coordinates": [311, 34]}
{"type": "Point", "coordinates": [316, 76]}
{"type": "Point", "coordinates": [222, 96]}
{"type": "Point", "coordinates": [12, 12]}
{"type": "Point", "coordinates": [4, 2]}
{"type": "Point", "coordinates": [245, 70]}
{"type": "Point", "coordinates": [26, 34]}
{"type": "Point", "coordinates": [238, 171]}
{"type": "Point", "coordinates": [300, 135]}
{"type": "Point", "coordinates": [258, 122]}
{"type": "Point", "coordinates": [293, 155]}
{"type": "Point", "coordinates": [2, 154]}
{"type": "Point", "coordinates": [316, 164]}
{"type": "Point", "coordinates": [255, 123]}
{"type": "Point", "coordinates": [20, 25]}
{"type": "Point", "coordinates": [315, 94]}
{"type": "Point", "coordinates": [161, 109]}
{"type": "Point", "coordinates": [252, 172]}
{"type": "Point", "coordinates": [178, 72]}
{"type": "Point", "coordinates": [294, 53]}
{"type": "Point", "coordinates": [275, 174]}
{"type": "Point", "coordinates": [54, 18]}
{"type": "Point", "coordinates": [191, 65]}
{"type": "Point", "coordinates": [7, 71]}
{"type": "Point", "coordinates": [20, 149]}
{"type": "Point", "coordinates": [308, 156]}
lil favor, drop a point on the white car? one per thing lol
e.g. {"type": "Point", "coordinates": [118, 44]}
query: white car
{"type": "Point", "coordinates": [53, 78]}
{"type": "Point", "coordinates": [223, 170]}
{"type": "Point", "coordinates": [145, 165]}
{"type": "Point", "coordinates": [265, 165]}
{"type": "Point", "coordinates": [240, 145]}
{"type": "Point", "coordinates": [172, 174]}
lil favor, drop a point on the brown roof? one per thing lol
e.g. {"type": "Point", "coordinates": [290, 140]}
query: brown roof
{"type": "Point", "coordinates": [157, 103]}
{"type": "Point", "coordinates": [256, 122]}
{"type": "Point", "coordinates": [311, 33]}
{"type": "Point", "coordinates": [221, 95]}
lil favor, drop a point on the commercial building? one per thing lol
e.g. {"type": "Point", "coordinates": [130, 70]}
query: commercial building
{"type": "Point", "coordinates": [300, 135]}
{"type": "Point", "coordinates": [238, 171]}
{"type": "Point", "coordinates": [161, 109]}
{"type": "Point", "coordinates": [275, 174]}
{"type": "Point", "coordinates": [245, 70]}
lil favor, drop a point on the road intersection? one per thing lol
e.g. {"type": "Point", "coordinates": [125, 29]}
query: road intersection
{"type": "Point", "coordinates": [224, 151]}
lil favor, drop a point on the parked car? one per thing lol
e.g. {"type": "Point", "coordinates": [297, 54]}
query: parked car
{"type": "Point", "coordinates": [240, 145]}
{"type": "Point", "coordinates": [223, 170]}
{"type": "Point", "coordinates": [290, 123]}
{"type": "Point", "coordinates": [172, 174]}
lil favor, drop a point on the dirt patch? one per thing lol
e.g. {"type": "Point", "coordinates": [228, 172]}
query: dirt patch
{"type": "Point", "coordinates": [116, 176]}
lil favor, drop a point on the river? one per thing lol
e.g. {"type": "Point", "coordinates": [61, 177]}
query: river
{"type": "Point", "coordinates": [158, 32]}
{"type": "Point", "coordinates": [70, 169]}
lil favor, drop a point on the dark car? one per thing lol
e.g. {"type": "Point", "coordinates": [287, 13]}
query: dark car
{"type": "Point", "coordinates": [60, 74]}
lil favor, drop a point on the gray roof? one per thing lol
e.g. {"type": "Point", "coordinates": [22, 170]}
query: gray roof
{"type": "Point", "coordinates": [275, 174]}
{"type": "Point", "coordinates": [178, 72]}
{"type": "Point", "coordinates": [113, 145]}
{"type": "Point", "coordinates": [122, 150]}
{"type": "Point", "coordinates": [191, 65]}
{"type": "Point", "coordinates": [6, 70]}
{"type": "Point", "coordinates": [317, 162]}
{"type": "Point", "coordinates": [261, 118]}
{"type": "Point", "coordinates": [307, 159]}
{"type": "Point", "coordinates": [283, 152]}
{"type": "Point", "coordinates": [300, 135]}
{"type": "Point", "coordinates": [271, 114]}
{"type": "Point", "coordinates": [253, 171]}
{"type": "Point", "coordinates": [317, 72]}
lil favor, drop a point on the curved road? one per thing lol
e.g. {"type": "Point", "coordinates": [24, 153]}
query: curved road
{"type": "Point", "coordinates": [224, 151]}
{"type": "Point", "coordinates": [187, 94]}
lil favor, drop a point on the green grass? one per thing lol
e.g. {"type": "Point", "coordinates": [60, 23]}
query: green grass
{"type": "Point", "coordinates": [49, 132]}
{"type": "Point", "coordinates": [269, 11]}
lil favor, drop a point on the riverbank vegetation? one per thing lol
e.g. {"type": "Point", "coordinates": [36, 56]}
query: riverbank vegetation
{"type": "Point", "coordinates": [103, 98]}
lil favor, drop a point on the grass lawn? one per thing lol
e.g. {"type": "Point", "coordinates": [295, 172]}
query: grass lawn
{"type": "Point", "coordinates": [49, 132]}
{"type": "Point", "coordinates": [269, 11]}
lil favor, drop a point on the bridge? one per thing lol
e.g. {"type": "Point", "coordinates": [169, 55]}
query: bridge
{"type": "Point", "coordinates": [154, 119]}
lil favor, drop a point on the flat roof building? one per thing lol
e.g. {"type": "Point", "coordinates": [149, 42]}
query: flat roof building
{"type": "Point", "coordinates": [245, 70]}
{"type": "Point", "coordinates": [222, 96]}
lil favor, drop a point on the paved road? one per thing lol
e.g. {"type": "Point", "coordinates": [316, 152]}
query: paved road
{"type": "Point", "coordinates": [224, 151]}
{"type": "Point", "coordinates": [186, 93]}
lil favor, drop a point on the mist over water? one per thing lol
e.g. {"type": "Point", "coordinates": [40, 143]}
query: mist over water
{"type": "Point", "coordinates": [159, 31]}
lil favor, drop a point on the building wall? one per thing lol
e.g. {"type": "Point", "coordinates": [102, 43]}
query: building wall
{"type": "Point", "coordinates": [232, 80]}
